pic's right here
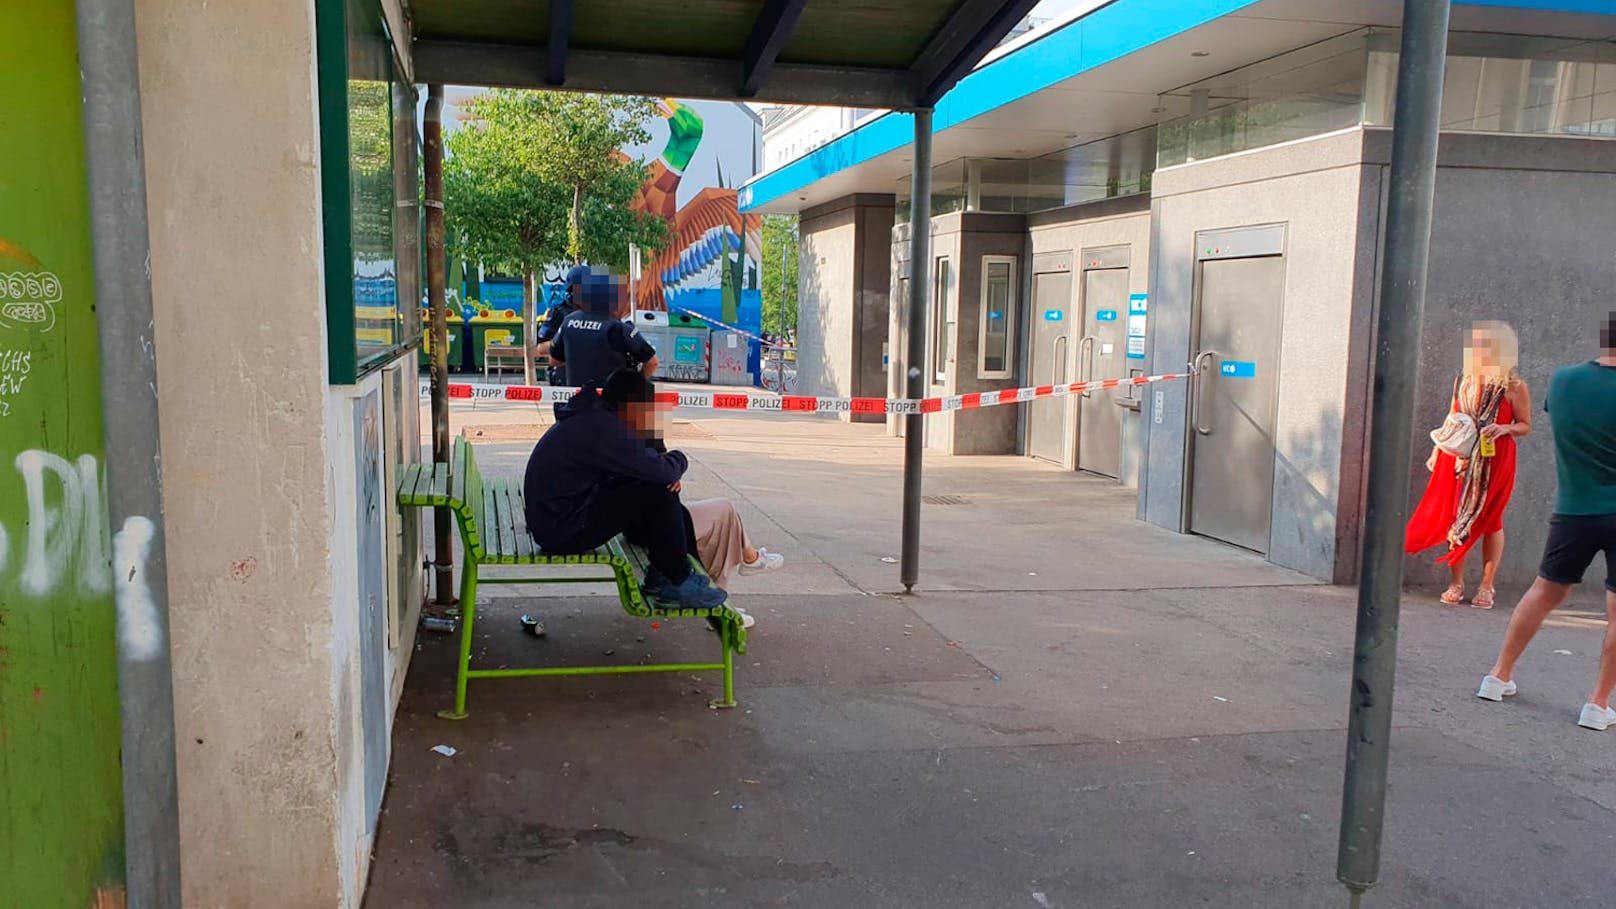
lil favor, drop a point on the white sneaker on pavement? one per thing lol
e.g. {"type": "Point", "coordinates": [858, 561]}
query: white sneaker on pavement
{"type": "Point", "coordinates": [766, 561]}
{"type": "Point", "coordinates": [1495, 689]}
{"type": "Point", "coordinates": [1596, 717]}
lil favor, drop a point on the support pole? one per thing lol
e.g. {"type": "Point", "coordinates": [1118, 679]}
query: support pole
{"type": "Point", "coordinates": [121, 249]}
{"type": "Point", "coordinates": [436, 264]}
{"type": "Point", "coordinates": [1397, 345]}
{"type": "Point", "coordinates": [780, 324]}
{"type": "Point", "coordinates": [914, 433]}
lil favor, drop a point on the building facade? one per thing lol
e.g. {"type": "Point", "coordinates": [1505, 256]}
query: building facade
{"type": "Point", "coordinates": [1138, 191]}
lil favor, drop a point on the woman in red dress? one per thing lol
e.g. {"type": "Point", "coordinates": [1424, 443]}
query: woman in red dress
{"type": "Point", "coordinates": [1465, 500]}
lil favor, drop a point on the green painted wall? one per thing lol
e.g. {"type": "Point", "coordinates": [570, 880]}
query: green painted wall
{"type": "Point", "coordinates": [61, 802]}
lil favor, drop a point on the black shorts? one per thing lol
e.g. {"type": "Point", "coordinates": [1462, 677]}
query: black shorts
{"type": "Point", "coordinates": [1574, 540]}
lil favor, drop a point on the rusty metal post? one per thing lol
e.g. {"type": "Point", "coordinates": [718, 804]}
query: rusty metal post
{"type": "Point", "coordinates": [436, 265]}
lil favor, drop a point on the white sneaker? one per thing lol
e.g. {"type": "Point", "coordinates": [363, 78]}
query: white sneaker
{"type": "Point", "coordinates": [766, 561]}
{"type": "Point", "coordinates": [1495, 689]}
{"type": "Point", "coordinates": [1596, 717]}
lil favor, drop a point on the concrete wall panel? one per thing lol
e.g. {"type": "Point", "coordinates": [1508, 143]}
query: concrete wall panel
{"type": "Point", "coordinates": [1314, 188]}
{"type": "Point", "coordinates": [1520, 240]}
{"type": "Point", "coordinates": [234, 205]}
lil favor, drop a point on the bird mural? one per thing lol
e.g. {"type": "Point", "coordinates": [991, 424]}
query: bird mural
{"type": "Point", "coordinates": [710, 243]}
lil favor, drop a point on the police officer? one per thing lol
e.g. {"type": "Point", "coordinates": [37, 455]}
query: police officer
{"type": "Point", "coordinates": [545, 336]}
{"type": "Point", "coordinates": [592, 344]}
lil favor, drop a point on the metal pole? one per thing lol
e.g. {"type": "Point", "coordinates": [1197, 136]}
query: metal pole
{"type": "Point", "coordinates": [116, 161]}
{"type": "Point", "coordinates": [1397, 344]}
{"type": "Point", "coordinates": [780, 324]}
{"type": "Point", "coordinates": [914, 437]}
{"type": "Point", "coordinates": [436, 265]}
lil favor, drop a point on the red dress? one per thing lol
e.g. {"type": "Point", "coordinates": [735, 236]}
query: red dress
{"type": "Point", "coordinates": [1439, 506]}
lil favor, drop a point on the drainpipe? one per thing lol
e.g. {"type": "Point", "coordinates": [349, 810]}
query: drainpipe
{"type": "Point", "coordinates": [116, 164]}
{"type": "Point", "coordinates": [436, 266]}
{"type": "Point", "coordinates": [1406, 252]}
{"type": "Point", "coordinates": [914, 432]}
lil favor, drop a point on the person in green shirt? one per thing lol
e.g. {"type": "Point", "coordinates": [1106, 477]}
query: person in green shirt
{"type": "Point", "coordinates": [1582, 409]}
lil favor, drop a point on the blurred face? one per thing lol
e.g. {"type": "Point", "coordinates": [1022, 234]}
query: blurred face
{"type": "Point", "coordinates": [1485, 352]}
{"type": "Point", "coordinates": [1607, 334]}
{"type": "Point", "coordinates": [645, 419]}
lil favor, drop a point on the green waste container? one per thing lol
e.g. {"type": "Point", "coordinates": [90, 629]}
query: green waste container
{"type": "Point", "coordinates": [682, 344]}
{"type": "Point", "coordinates": [457, 332]}
{"type": "Point", "coordinates": [500, 329]}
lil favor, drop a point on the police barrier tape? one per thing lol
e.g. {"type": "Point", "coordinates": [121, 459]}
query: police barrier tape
{"type": "Point", "coordinates": [728, 327]}
{"type": "Point", "coordinates": [801, 404]}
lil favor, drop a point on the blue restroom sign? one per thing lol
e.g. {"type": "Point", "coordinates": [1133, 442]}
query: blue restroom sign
{"type": "Point", "coordinates": [1238, 369]}
{"type": "Point", "coordinates": [1053, 315]}
{"type": "Point", "coordinates": [1105, 315]}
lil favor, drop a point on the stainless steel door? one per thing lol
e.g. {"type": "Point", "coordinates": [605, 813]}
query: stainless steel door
{"type": "Point", "coordinates": [1233, 400]}
{"type": "Point", "coordinates": [1051, 350]}
{"type": "Point", "coordinates": [1100, 355]}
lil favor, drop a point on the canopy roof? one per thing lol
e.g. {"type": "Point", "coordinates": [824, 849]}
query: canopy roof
{"type": "Point", "coordinates": [898, 54]}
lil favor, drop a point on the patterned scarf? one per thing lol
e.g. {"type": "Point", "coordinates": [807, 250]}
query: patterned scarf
{"type": "Point", "coordinates": [1480, 399]}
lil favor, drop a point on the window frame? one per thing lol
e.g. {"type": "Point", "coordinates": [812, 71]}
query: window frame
{"type": "Point", "coordinates": [1010, 318]}
{"type": "Point", "coordinates": [332, 34]}
{"type": "Point", "coordinates": [942, 334]}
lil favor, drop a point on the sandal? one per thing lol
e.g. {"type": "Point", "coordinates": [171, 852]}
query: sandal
{"type": "Point", "coordinates": [1484, 598]}
{"type": "Point", "coordinates": [1454, 595]}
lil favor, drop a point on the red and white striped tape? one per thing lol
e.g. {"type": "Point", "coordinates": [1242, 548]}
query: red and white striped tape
{"type": "Point", "coordinates": [801, 404]}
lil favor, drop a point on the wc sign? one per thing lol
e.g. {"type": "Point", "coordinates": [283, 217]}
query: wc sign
{"type": "Point", "coordinates": [1238, 369]}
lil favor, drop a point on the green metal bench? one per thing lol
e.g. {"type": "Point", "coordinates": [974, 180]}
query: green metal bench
{"type": "Point", "coordinates": [490, 515]}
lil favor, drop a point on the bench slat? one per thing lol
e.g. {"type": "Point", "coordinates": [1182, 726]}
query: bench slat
{"type": "Point", "coordinates": [488, 523]}
{"type": "Point", "coordinates": [426, 486]}
{"type": "Point", "coordinates": [439, 488]}
{"type": "Point", "coordinates": [505, 521]}
{"type": "Point", "coordinates": [525, 548]}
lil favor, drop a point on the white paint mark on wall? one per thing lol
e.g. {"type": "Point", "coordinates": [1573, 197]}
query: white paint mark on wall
{"type": "Point", "coordinates": [5, 548]}
{"type": "Point", "coordinates": [65, 530]}
{"type": "Point", "coordinates": [15, 365]}
{"type": "Point", "coordinates": [140, 632]}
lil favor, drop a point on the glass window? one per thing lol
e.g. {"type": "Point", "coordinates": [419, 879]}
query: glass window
{"type": "Point", "coordinates": [368, 157]}
{"type": "Point", "coordinates": [942, 326]}
{"type": "Point", "coordinates": [1509, 84]}
{"type": "Point", "coordinates": [998, 317]}
{"type": "Point", "coordinates": [370, 186]}
{"type": "Point", "coordinates": [1307, 92]}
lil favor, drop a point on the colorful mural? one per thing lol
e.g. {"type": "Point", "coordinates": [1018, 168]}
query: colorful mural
{"type": "Point", "coordinates": [710, 265]}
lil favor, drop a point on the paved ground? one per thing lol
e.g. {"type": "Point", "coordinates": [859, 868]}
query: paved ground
{"type": "Point", "coordinates": [1075, 710]}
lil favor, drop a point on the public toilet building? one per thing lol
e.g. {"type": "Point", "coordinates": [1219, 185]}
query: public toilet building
{"type": "Point", "coordinates": [1152, 185]}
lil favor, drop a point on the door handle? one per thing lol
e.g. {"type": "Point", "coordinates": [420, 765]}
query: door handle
{"type": "Point", "coordinates": [1085, 355]}
{"type": "Point", "coordinates": [1201, 374]}
{"type": "Point", "coordinates": [1061, 344]}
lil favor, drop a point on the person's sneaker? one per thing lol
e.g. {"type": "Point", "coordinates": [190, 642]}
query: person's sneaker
{"type": "Point", "coordinates": [1494, 688]}
{"type": "Point", "coordinates": [694, 592]}
{"type": "Point", "coordinates": [1596, 717]}
{"type": "Point", "coordinates": [766, 561]}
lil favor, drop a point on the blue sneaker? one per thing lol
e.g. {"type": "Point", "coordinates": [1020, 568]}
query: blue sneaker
{"type": "Point", "coordinates": [695, 592]}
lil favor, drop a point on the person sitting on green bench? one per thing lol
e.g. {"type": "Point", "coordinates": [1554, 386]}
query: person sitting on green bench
{"type": "Point", "coordinates": [592, 477]}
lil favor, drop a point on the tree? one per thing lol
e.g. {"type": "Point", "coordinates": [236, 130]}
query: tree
{"type": "Point", "coordinates": [780, 236]}
{"type": "Point", "coordinates": [576, 143]}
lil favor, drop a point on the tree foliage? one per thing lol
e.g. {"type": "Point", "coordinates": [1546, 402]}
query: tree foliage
{"type": "Point", "coordinates": [576, 142]}
{"type": "Point", "coordinates": [505, 209]}
{"type": "Point", "coordinates": [779, 235]}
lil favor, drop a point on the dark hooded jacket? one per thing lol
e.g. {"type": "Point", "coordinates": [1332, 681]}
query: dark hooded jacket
{"type": "Point", "coordinates": [578, 455]}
